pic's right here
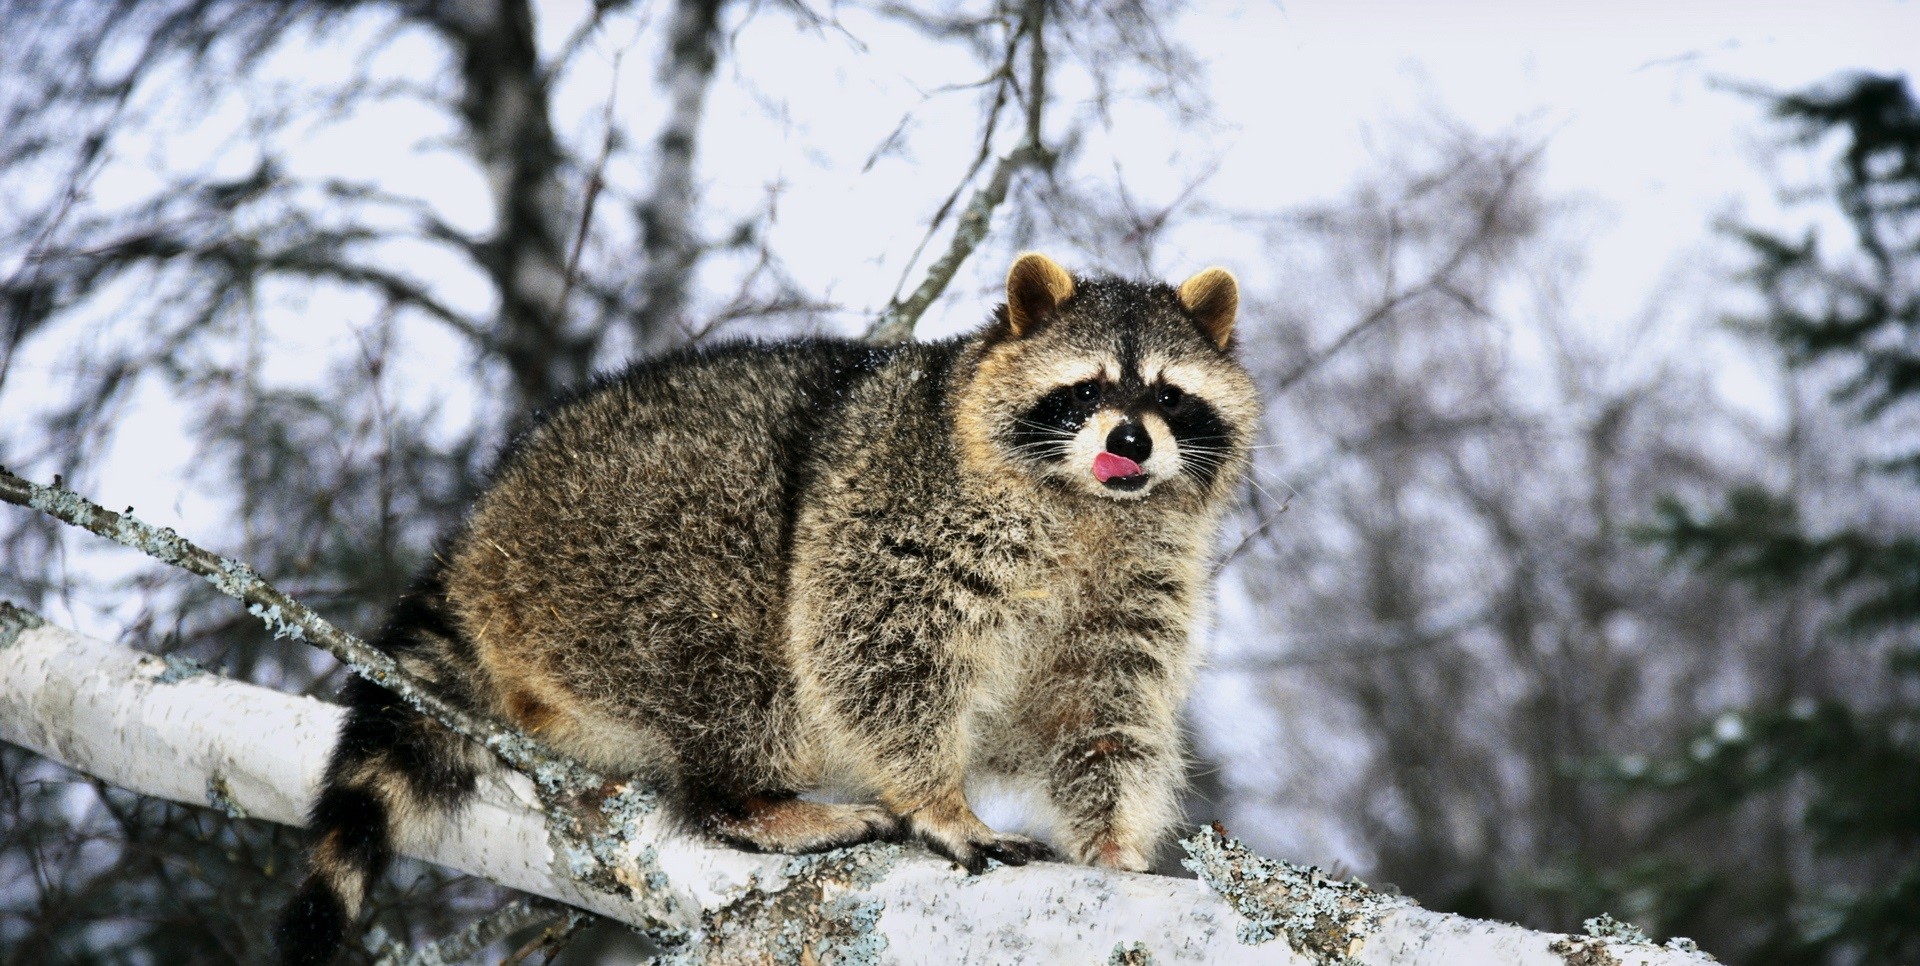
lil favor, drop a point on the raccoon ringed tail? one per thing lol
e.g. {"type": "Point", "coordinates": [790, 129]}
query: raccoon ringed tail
{"type": "Point", "coordinates": [392, 769]}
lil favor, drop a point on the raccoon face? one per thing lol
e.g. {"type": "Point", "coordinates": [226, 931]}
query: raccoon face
{"type": "Point", "coordinates": [1116, 389]}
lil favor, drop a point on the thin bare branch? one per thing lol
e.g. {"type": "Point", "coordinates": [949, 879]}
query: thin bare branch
{"type": "Point", "coordinates": [897, 321]}
{"type": "Point", "coordinates": [287, 617]}
{"type": "Point", "coordinates": [992, 123]}
{"type": "Point", "coordinates": [478, 935]}
{"type": "Point", "coordinates": [596, 183]}
{"type": "Point", "coordinates": [1439, 281]}
{"type": "Point", "coordinates": [552, 939]}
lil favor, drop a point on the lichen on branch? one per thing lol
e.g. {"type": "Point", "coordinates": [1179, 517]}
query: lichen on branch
{"type": "Point", "coordinates": [286, 617]}
{"type": "Point", "coordinates": [1326, 919]}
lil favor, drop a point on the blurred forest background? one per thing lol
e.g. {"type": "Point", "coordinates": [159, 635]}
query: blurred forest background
{"type": "Point", "coordinates": [1521, 613]}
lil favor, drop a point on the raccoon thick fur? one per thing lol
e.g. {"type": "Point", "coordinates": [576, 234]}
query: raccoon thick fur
{"type": "Point", "coordinates": [754, 571]}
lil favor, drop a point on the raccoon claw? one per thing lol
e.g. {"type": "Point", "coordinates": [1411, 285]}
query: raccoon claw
{"type": "Point", "coordinates": [1017, 851]}
{"type": "Point", "coordinates": [887, 827]}
{"type": "Point", "coordinates": [973, 856]}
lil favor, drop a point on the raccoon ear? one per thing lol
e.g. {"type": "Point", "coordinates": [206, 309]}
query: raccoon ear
{"type": "Point", "coordinates": [1035, 287]}
{"type": "Point", "coordinates": [1213, 299]}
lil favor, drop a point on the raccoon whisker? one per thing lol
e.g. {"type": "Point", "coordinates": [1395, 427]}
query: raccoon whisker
{"type": "Point", "coordinates": [1207, 461]}
{"type": "Point", "coordinates": [1253, 479]}
{"type": "Point", "coordinates": [1216, 455]}
{"type": "Point", "coordinates": [1048, 440]}
{"type": "Point", "coordinates": [1206, 464]}
{"type": "Point", "coordinates": [1202, 461]}
{"type": "Point", "coordinates": [1220, 436]}
{"type": "Point", "coordinates": [1038, 455]}
{"type": "Point", "coordinates": [1212, 448]}
{"type": "Point", "coordinates": [1198, 467]}
{"type": "Point", "coordinates": [1196, 440]}
{"type": "Point", "coordinates": [1253, 472]}
{"type": "Point", "coordinates": [1268, 494]}
{"type": "Point", "coordinates": [1035, 454]}
{"type": "Point", "coordinates": [1050, 430]}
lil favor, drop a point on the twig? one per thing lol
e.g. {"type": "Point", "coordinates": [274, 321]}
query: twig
{"type": "Point", "coordinates": [551, 940]}
{"type": "Point", "coordinates": [896, 323]}
{"type": "Point", "coordinates": [953, 198]}
{"type": "Point", "coordinates": [1003, 79]}
{"type": "Point", "coordinates": [1436, 281]}
{"type": "Point", "coordinates": [596, 183]}
{"type": "Point", "coordinates": [1342, 650]}
{"type": "Point", "coordinates": [79, 182]}
{"type": "Point", "coordinates": [668, 236]}
{"type": "Point", "coordinates": [306, 259]}
{"type": "Point", "coordinates": [484, 932]}
{"type": "Point", "coordinates": [577, 41]}
{"type": "Point", "coordinates": [1246, 539]}
{"type": "Point", "coordinates": [287, 617]}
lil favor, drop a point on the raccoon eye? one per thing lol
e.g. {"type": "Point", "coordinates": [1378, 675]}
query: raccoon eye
{"type": "Point", "coordinates": [1087, 391]}
{"type": "Point", "coordinates": [1171, 396]}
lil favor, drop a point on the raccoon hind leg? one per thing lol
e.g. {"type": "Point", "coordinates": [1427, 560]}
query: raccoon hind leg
{"type": "Point", "coordinates": [783, 822]}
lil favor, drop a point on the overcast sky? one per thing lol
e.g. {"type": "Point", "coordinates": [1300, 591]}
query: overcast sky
{"type": "Point", "coordinates": [1630, 95]}
{"type": "Point", "coordinates": [1631, 100]}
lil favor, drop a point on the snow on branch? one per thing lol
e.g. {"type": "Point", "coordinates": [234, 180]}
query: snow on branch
{"type": "Point", "coordinates": [139, 722]}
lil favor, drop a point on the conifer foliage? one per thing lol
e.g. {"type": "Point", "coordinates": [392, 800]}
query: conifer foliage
{"type": "Point", "coordinates": [1835, 755]}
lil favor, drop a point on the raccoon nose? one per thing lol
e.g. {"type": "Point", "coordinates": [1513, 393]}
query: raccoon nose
{"type": "Point", "coordinates": [1131, 440]}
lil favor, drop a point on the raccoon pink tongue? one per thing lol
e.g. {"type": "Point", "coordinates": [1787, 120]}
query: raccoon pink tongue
{"type": "Point", "coordinates": [1106, 466]}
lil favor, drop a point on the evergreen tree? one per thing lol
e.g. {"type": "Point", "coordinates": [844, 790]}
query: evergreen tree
{"type": "Point", "coordinates": [1829, 747]}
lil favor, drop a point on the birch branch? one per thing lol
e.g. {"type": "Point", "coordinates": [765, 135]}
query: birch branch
{"type": "Point", "coordinates": [195, 737]}
{"type": "Point", "coordinates": [897, 322]}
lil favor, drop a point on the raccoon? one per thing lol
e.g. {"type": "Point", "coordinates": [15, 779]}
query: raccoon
{"type": "Point", "coordinates": [761, 570]}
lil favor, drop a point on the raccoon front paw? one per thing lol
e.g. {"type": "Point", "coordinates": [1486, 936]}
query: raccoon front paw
{"type": "Point", "coordinates": [796, 825]}
{"type": "Point", "coordinates": [970, 849]}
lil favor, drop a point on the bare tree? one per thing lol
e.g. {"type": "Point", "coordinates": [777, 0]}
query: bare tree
{"type": "Point", "coordinates": [1457, 581]}
{"type": "Point", "coordinates": [344, 350]}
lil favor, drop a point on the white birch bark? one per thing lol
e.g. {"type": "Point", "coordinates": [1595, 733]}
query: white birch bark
{"type": "Point", "coordinates": [136, 721]}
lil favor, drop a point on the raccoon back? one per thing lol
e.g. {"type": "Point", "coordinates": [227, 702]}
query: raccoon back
{"type": "Point", "coordinates": [627, 567]}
